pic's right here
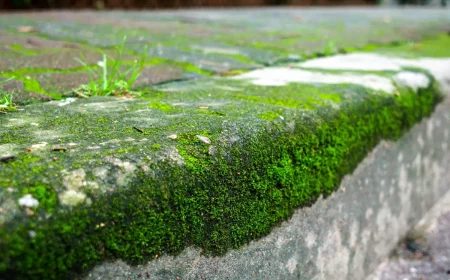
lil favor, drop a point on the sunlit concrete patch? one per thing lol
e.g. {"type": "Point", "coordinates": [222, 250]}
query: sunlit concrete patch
{"type": "Point", "coordinates": [67, 101]}
{"type": "Point", "coordinates": [278, 76]}
{"type": "Point", "coordinates": [438, 67]}
{"type": "Point", "coordinates": [412, 80]}
{"type": "Point", "coordinates": [354, 61]}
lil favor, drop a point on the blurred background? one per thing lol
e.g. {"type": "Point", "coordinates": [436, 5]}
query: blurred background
{"type": "Point", "coordinates": [166, 4]}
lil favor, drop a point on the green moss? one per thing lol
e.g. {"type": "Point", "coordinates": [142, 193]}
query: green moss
{"type": "Point", "coordinates": [432, 47]}
{"type": "Point", "coordinates": [156, 146]}
{"type": "Point", "coordinates": [252, 176]}
{"type": "Point", "coordinates": [270, 115]}
{"type": "Point", "coordinates": [20, 49]}
{"type": "Point", "coordinates": [161, 106]}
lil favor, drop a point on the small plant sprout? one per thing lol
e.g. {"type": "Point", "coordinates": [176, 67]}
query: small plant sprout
{"type": "Point", "coordinates": [6, 100]}
{"type": "Point", "coordinates": [108, 77]}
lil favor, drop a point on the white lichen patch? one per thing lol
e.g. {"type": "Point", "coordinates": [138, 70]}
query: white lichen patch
{"type": "Point", "coordinates": [172, 136]}
{"type": "Point", "coordinates": [279, 76]}
{"type": "Point", "coordinates": [72, 197]}
{"type": "Point", "coordinates": [7, 209]}
{"type": "Point", "coordinates": [7, 149]}
{"type": "Point", "coordinates": [172, 154]}
{"type": "Point", "coordinates": [39, 146]}
{"type": "Point", "coordinates": [125, 166]}
{"type": "Point", "coordinates": [67, 101]}
{"type": "Point", "coordinates": [218, 50]}
{"type": "Point", "coordinates": [413, 80]}
{"type": "Point", "coordinates": [438, 67]}
{"type": "Point", "coordinates": [74, 183]}
{"type": "Point", "coordinates": [47, 135]}
{"type": "Point", "coordinates": [204, 139]}
{"type": "Point", "coordinates": [353, 61]}
{"type": "Point", "coordinates": [106, 105]}
{"type": "Point", "coordinates": [19, 122]}
{"type": "Point", "coordinates": [292, 264]}
{"type": "Point", "coordinates": [28, 201]}
{"type": "Point", "coordinates": [100, 172]}
{"type": "Point", "coordinates": [112, 141]}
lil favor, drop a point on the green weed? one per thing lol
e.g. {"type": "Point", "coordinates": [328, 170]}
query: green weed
{"type": "Point", "coordinates": [6, 100]}
{"type": "Point", "coordinates": [108, 78]}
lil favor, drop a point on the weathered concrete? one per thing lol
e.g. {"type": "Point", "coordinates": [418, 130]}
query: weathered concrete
{"type": "Point", "coordinates": [424, 252]}
{"type": "Point", "coordinates": [344, 236]}
{"type": "Point", "coordinates": [228, 162]}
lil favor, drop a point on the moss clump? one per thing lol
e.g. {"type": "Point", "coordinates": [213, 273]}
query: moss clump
{"type": "Point", "coordinates": [156, 146]}
{"type": "Point", "coordinates": [270, 115]}
{"type": "Point", "coordinates": [45, 194]}
{"type": "Point", "coordinates": [161, 106]}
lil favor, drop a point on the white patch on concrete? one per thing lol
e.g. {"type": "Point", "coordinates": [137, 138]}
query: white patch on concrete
{"type": "Point", "coordinates": [420, 141]}
{"type": "Point", "coordinates": [333, 258]}
{"type": "Point", "coordinates": [74, 182]}
{"type": "Point", "coordinates": [100, 172]}
{"type": "Point", "coordinates": [204, 139]}
{"type": "Point", "coordinates": [47, 134]}
{"type": "Point", "coordinates": [172, 136]}
{"type": "Point", "coordinates": [28, 201]}
{"type": "Point", "coordinates": [413, 80]}
{"type": "Point", "coordinates": [67, 101]}
{"type": "Point", "coordinates": [310, 239]}
{"type": "Point", "coordinates": [71, 197]}
{"type": "Point", "coordinates": [125, 166]}
{"type": "Point", "coordinates": [353, 61]}
{"type": "Point", "coordinates": [93, 148]}
{"type": "Point", "coordinates": [292, 264]}
{"type": "Point", "coordinates": [21, 121]}
{"type": "Point", "coordinates": [7, 149]}
{"type": "Point", "coordinates": [280, 242]}
{"type": "Point", "coordinates": [369, 213]}
{"type": "Point", "coordinates": [208, 50]}
{"type": "Point", "coordinates": [438, 67]}
{"type": "Point", "coordinates": [430, 128]}
{"type": "Point", "coordinates": [354, 230]}
{"type": "Point", "coordinates": [39, 146]}
{"type": "Point", "coordinates": [381, 197]}
{"type": "Point", "coordinates": [75, 179]}
{"type": "Point", "coordinates": [173, 155]}
{"type": "Point", "coordinates": [278, 76]}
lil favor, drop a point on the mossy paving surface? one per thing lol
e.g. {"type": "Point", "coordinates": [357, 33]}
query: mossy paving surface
{"type": "Point", "coordinates": [216, 168]}
{"type": "Point", "coordinates": [210, 161]}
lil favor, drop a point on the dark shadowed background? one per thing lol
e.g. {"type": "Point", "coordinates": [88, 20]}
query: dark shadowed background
{"type": "Point", "coordinates": [163, 4]}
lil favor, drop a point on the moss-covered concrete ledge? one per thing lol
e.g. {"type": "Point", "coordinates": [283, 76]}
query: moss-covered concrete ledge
{"type": "Point", "coordinates": [210, 164]}
{"type": "Point", "coordinates": [344, 236]}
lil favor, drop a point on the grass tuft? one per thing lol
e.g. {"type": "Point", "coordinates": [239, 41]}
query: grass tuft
{"type": "Point", "coordinates": [6, 100]}
{"type": "Point", "coordinates": [108, 78]}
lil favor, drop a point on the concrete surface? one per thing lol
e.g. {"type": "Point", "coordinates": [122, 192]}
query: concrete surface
{"type": "Point", "coordinates": [229, 164]}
